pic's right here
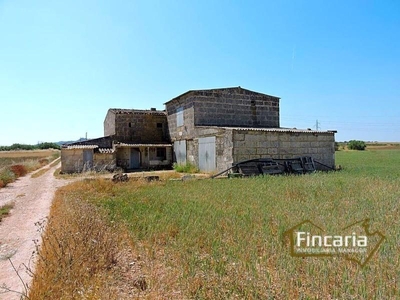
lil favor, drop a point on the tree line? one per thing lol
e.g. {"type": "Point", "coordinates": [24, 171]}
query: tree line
{"type": "Point", "coordinates": [39, 146]}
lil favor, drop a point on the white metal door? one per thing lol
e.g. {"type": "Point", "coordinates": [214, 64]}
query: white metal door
{"type": "Point", "coordinates": [180, 152]}
{"type": "Point", "coordinates": [207, 154]}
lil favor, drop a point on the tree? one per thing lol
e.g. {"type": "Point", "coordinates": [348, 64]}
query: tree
{"type": "Point", "coordinates": [356, 145]}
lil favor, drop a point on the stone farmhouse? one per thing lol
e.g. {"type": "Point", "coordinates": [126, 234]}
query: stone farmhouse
{"type": "Point", "coordinates": [211, 129]}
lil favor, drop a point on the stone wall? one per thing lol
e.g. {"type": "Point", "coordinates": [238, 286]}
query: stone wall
{"type": "Point", "coordinates": [109, 123]}
{"type": "Point", "coordinates": [223, 146]}
{"type": "Point", "coordinates": [232, 145]}
{"type": "Point", "coordinates": [71, 160]}
{"type": "Point", "coordinates": [235, 108]}
{"type": "Point", "coordinates": [148, 157]}
{"type": "Point", "coordinates": [231, 107]}
{"type": "Point", "coordinates": [141, 128]}
{"type": "Point", "coordinates": [187, 130]}
{"type": "Point", "coordinates": [257, 144]}
{"type": "Point", "coordinates": [123, 157]}
{"type": "Point", "coordinates": [104, 161]}
{"type": "Point", "coordinates": [136, 126]}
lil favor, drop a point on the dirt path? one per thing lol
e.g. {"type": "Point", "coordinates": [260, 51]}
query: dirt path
{"type": "Point", "coordinates": [32, 198]}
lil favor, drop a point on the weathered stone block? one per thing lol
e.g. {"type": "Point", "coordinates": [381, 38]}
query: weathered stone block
{"type": "Point", "coordinates": [272, 151]}
{"type": "Point", "coordinates": [283, 137]}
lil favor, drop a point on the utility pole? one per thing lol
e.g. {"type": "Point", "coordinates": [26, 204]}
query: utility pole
{"type": "Point", "coordinates": [317, 125]}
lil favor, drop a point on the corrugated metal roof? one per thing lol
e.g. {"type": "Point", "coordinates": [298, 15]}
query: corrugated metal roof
{"type": "Point", "coordinates": [289, 130]}
{"type": "Point", "coordinates": [70, 147]}
{"type": "Point", "coordinates": [106, 150]}
{"type": "Point", "coordinates": [142, 145]}
{"type": "Point", "coordinates": [137, 111]}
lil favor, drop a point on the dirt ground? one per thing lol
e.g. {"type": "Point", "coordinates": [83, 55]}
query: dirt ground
{"type": "Point", "coordinates": [32, 198]}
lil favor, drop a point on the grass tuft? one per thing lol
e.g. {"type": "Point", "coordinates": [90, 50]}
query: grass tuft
{"type": "Point", "coordinates": [5, 210]}
{"type": "Point", "coordinates": [185, 168]}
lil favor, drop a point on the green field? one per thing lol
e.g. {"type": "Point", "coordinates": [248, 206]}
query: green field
{"type": "Point", "coordinates": [223, 238]}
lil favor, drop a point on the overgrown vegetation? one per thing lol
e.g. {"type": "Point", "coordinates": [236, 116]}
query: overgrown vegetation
{"type": "Point", "coordinates": [19, 170]}
{"type": "Point", "coordinates": [185, 168]}
{"type": "Point", "coordinates": [223, 239]}
{"type": "Point", "coordinates": [19, 163]}
{"type": "Point", "coordinates": [79, 243]}
{"type": "Point", "coordinates": [356, 145]}
{"type": "Point", "coordinates": [6, 176]}
{"type": "Point", "coordinates": [5, 210]}
{"type": "Point", "coordinates": [40, 146]}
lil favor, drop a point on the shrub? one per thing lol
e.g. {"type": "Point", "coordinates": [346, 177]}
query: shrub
{"type": "Point", "coordinates": [18, 170]}
{"type": "Point", "coordinates": [2, 184]}
{"type": "Point", "coordinates": [185, 168]}
{"type": "Point", "coordinates": [6, 176]}
{"type": "Point", "coordinates": [356, 145]}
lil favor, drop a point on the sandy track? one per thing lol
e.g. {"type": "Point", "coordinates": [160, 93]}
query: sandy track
{"type": "Point", "coordinates": [32, 198]}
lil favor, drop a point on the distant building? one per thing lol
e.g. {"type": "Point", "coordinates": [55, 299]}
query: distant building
{"type": "Point", "coordinates": [209, 128]}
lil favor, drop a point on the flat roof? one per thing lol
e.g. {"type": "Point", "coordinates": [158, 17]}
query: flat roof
{"type": "Point", "coordinates": [137, 111]}
{"type": "Point", "coordinates": [219, 89]}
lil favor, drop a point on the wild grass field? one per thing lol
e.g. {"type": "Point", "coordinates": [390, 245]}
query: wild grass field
{"type": "Point", "coordinates": [14, 164]}
{"type": "Point", "coordinates": [11, 157]}
{"type": "Point", "coordinates": [221, 238]}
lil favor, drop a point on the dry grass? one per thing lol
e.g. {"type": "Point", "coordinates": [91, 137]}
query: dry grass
{"type": "Point", "coordinates": [40, 173]}
{"type": "Point", "coordinates": [55, 162]}
{"type": "Point", "coordinates": [80, 244]}
{"type": "Point", "coordinates": [223, 239]}
{"type": "Point", "coordinates": [24, 154]}
{"type": "Point", "coordinates": [383, 147]}
{"type": "Point", "coordinates": [14, 164]}
{"type": "Point", "coordinates": [43, 171]}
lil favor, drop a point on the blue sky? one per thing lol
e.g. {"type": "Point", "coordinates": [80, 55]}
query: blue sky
{"type": "Point", "coordinates": [64, 63]}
